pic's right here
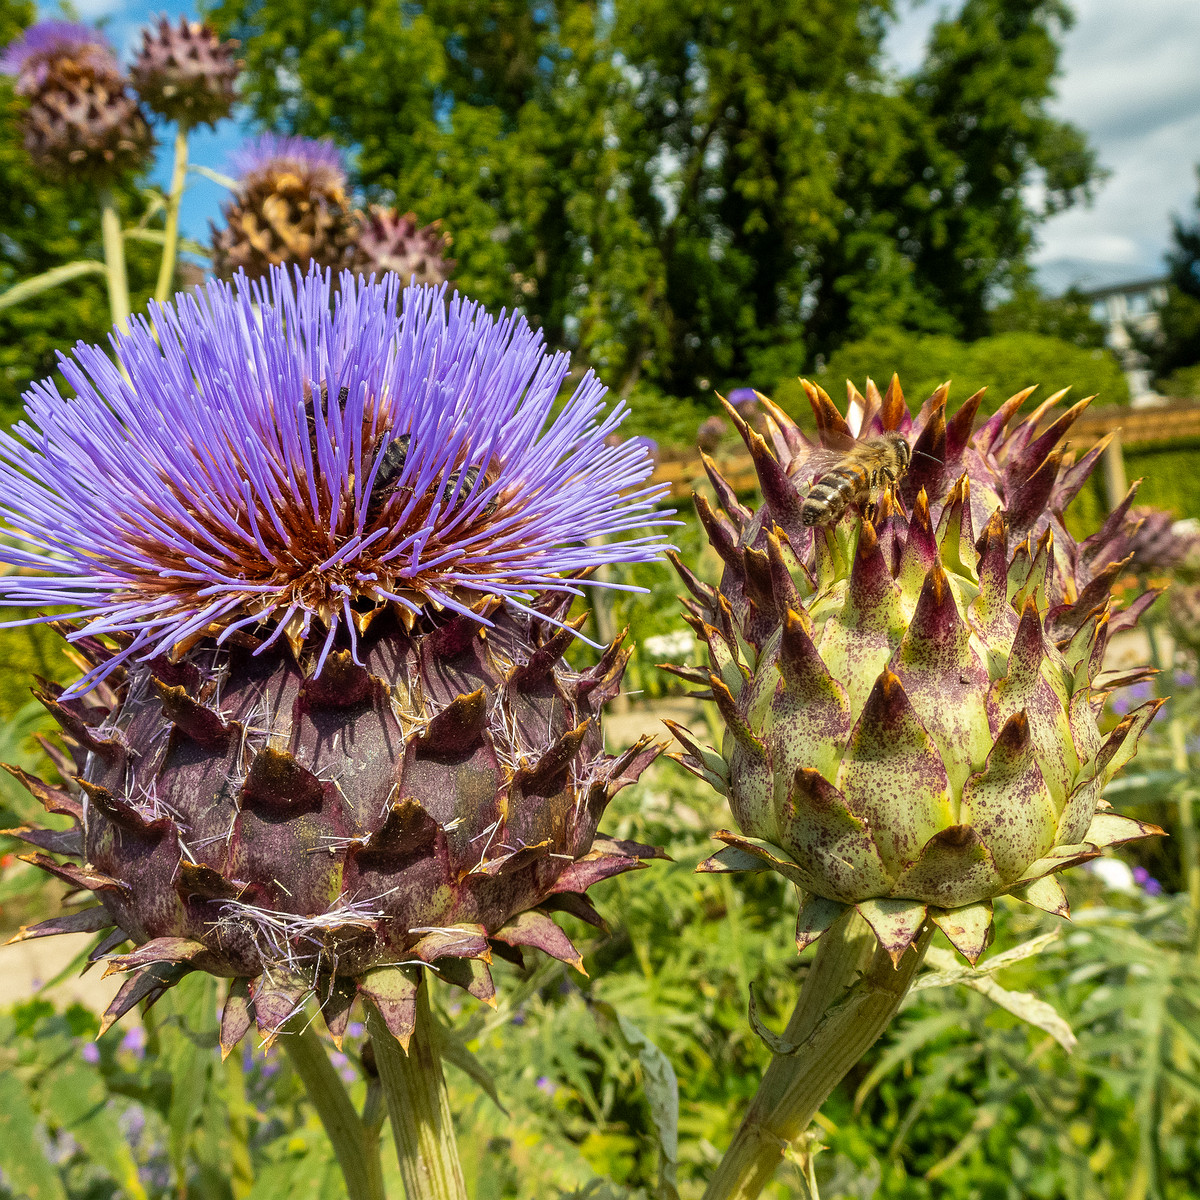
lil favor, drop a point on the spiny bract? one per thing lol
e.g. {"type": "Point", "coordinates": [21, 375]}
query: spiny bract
{"type": "Point", "coordinates": [325, 735]}
{"type": "Point", "coordinates": [910, 699]}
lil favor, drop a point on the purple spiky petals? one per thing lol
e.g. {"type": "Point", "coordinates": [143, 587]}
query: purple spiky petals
{"type": "Point", "coordinates": [225, 480]}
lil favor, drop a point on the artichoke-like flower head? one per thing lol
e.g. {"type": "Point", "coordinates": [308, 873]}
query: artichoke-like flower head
{"type": "Point", "coordinates": [185, 72]}
{"type": "Point", "coordinates": [320, 547]}
{"type": "Point", "coordinates": [290, 208]}
{"type": "Point", "coordinates": [81, 120]}
{"type": "Point", "coordinates": [910, 693]}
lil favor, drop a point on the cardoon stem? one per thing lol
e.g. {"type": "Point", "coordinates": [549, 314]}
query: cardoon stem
{"type": "Point", "coordinates": [419, 1107]}
{"type": "Point", "coordinates": [838, 1020]}
{"type": "Point", "coordinates": [166, 268]}
{"type": "Point", "coordinates": [114, 259]}
{"type": "Point", "coordinates": [361, 1168]}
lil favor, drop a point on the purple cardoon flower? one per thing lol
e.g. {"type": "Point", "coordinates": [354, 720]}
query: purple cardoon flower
{"type": "Point", "coordinates": [289, 208]}
{"type": "Point", "coordinates": [81, 121]}
{"type": "Point", "coordinates": [274, 152]}
{"type": "Point", "coordinates": [34, 56]}
{"type": "Point", "coordinates": [322, 549]}
{"type": "Point", "coordinates": [290, 466]}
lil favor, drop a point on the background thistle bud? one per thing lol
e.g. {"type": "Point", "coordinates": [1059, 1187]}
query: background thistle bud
{"type": "Point", "coordinates": [185, 72]}
{"type": "Point", "coordinates": [910, 699]}
{"type": "Point", "coordinates": [324, 565]}
{"type": "Point", "coordinates": [393, 241]}
{"type": "Point", "coordinates": [290, 207]}
{"type": "Point", "coordinates": [81, 121]}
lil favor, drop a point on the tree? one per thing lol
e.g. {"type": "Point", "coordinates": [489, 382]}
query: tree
{"type": "Point", "coordinates": [1004, 363]}
{"type": "Point", "coordinates": [1177, 346]}
{"type": "Point", "coordinates": [689, 194]}
{"type": "Point", "coordinates": [44, 226]}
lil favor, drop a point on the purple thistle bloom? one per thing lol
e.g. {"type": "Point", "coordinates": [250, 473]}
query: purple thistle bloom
{"type": "Point", "coordinates": [30, 56]}
{"type": "Point", "coordinates": [90, 1053]}
{"type": "Point", "coordinates": [273, 152]}
{"type": "Point", "coordinates": [275, 462]}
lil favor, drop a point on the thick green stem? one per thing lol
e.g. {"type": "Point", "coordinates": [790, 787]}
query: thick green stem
{"type": "Point", "coordinates": [166, 268]}
{"type": "Point", "coordinates": [838, 1021]}
{"type": "Point", "coordinates": [114, 259]}
{"type": "Point", "coordinates": [419, 1107]}
{"type": "Point", "coordinates": [1188, 843]}
{"type": "Point", "coordinates": [361, 1169]}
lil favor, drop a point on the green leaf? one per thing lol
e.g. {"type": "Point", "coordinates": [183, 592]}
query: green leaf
{"type": "Point", "coordinates": [28, 288]}
{"type": "Point", "coordinates": [662, 1091]}
{"type": "Point", "coordinates": [455, 1051]}
{"type": "Point", "coordinates": [77, 1098]}
{"type": "Point", "coordinates": [28, 1172]}
{"type": "Point", "coordinates": [773, 1041]}
{"type": "Point", "coordinates": [190, 1060]}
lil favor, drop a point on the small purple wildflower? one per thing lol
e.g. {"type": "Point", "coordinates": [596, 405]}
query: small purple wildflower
{"type": "Point", "coordinates": [229, 480]}
{"type": "Point", "coordinates": [31, 56]}
{"type": "Point", "coordinates": [90, 1053]}
{"type": "Point", "coordinates": [356, 1029]}
{"type": "Point", "coordinates": [1185, 679]}
{"type": "Point", "coordinates": [742, 397]}
{"type": "Point", "coordinates": [546, 1085]}
{"type": "Point", "coordinates": [135, 1041]}
{"type": "Point", "coordinates": [349, 1075]}
{"type": "Point", "coordinates": [339, 1059]}
{"type": "Point", "coordinates": [1147, 882]}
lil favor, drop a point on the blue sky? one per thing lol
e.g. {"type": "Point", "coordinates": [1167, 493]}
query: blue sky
{"type": "Point", "coordinates": [1131, 80]}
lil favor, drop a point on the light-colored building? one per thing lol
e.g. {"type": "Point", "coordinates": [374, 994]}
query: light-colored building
{"type": "Point", "coordinates": [1130, 307]}
{"type": "Point", "coordinates": [1122, 303]}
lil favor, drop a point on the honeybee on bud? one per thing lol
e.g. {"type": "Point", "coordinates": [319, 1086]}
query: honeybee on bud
{"type": "Point", "coordinates": [853, 476]}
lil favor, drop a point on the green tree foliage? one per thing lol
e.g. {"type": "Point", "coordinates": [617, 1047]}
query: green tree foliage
{"type": "Point", "coordinates": [45, 225]}
{"type": "Point", "coordinates": [1178, 346]}
{"type": "Point", "coordinates": [1004, 363]}
{"type": "Point", "coordinates": [690, 194]}
{"type": "Point", "coordinates": [1068, 317]}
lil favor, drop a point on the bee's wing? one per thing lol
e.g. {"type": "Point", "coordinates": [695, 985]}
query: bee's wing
{"type": "Point", "coordinates": [820, 461]}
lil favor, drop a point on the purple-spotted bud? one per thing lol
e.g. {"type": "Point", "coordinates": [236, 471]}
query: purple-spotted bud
{"type": "Point", "coordinates": [81, 122]}
{"type": "Point", "coordinates": [290, 208]}
{"type": "Point", "coordinates": [904, 651]}
{"type": "Point", "coordinates": [323, 561]}
{"type": "Point", "coordinates": [185, 72]}
{"type": "Point", "coordinates": [393, 241]}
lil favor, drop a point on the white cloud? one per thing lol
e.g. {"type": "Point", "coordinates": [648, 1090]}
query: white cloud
{"type": "Point", "coordinates": [1131, 80]}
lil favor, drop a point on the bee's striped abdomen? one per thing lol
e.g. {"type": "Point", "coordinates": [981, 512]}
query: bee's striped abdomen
{"type": "Point", "coordinates": [832, 494]}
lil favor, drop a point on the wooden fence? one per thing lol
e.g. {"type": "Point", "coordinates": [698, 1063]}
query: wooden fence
{"type": "Point", "coordinates": [680, 470]}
